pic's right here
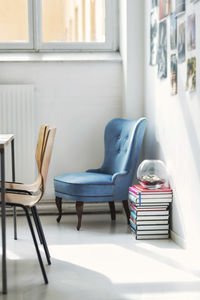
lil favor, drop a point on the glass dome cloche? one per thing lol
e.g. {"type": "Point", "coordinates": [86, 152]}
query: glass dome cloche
{"type": "Point", "coordinates": [152, 174]}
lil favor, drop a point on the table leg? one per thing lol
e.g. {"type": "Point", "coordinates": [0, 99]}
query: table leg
{"type": "Point", "coordinates": [13, 180]}
{"type": "Point", "coordinates": [3, 223]}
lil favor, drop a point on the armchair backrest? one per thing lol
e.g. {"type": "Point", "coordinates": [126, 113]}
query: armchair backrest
{"type": "Point", "coordinates": [123, 140]}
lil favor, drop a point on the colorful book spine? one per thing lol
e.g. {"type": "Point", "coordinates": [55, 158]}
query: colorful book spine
{"type": "Point", "coordinates": [149, 212]}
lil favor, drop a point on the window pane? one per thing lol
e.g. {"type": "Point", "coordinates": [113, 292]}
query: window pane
{"type": "Point", "coordinates": [14, 21]}
{"type": "Point", "coordinates": [73, 21]}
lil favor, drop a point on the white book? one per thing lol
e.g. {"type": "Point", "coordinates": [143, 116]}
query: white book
{"type": "Point", "coordinates": [152, 227]}
{"type": "Point", "coordinates": [143, 196]}
{"type": "Point", "coordinates": [152, 213]}
{"type": "Point", "coordinates": [147, 200]}
{"type": "Point", "coordinates": [142, 232]}
{"type": "Point", "coordinates": [154, 222]}
{"type": "Point", "coordinates": [157, 204]}
{"type": "Point", "coordinates": [152, 237]}
{"type": "Point", "coordinates": [145, 218]}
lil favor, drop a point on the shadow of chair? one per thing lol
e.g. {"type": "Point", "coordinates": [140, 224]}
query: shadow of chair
{"type": "Point", "coordinates": [110, 183]}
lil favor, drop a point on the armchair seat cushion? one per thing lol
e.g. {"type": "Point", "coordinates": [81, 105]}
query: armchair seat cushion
{"type": "Point", "coordinates": [84, 184]}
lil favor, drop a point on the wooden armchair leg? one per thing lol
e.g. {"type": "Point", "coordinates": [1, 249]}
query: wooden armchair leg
{"type": "Point", "coordinates": [79, 211]}
{"type": "Point", "coordinates": [112, 210]}
{"type": "Point", "coordinates": [59, 207]}
{"type": "Point", "coordinates": [126, 208]}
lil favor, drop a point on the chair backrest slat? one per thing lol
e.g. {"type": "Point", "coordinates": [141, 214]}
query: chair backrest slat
{"type": "Point", "coordinates": [48, 147]}
{"type": "Point", "coordinates": [40, 145]}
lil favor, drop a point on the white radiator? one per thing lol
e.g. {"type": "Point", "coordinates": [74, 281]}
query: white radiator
{"type": "Point", "coordinates": [17, 116]}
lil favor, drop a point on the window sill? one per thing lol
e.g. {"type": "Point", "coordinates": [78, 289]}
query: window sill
{"type": "Point", "coordinates": [60, 57]}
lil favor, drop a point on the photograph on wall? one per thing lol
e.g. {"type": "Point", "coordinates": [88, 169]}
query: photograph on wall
{"type": "Point", "coordinates": [153, 37]}
{"type": "Point", "coordinates": [191, 32]}
{"type": "Point", "coordinates": [191, 74]}
{"type": "Point", "coordinates": [154, 3]}
{"type": "Point", "coordinates": [173, 74]}
{"type": "Point", "coordinates": [162, 50]}
{"type": "Point", "coordinates": [173, 31]}
{"type": "Point", "coordinates": [173, 6]}
{"type": "Point", "coordinates": [180, 6]}
{"type": "Point", "coordinates": [164, 8]}
{"type": "Point", "coordinates": [181, 42]}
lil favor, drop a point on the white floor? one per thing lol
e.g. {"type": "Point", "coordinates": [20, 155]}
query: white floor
{"type": "Point", "coordinates": [101, 261]}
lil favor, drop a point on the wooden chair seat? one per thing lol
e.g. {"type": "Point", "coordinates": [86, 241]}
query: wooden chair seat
{"type": "Point", "coordinates": [22, 199]}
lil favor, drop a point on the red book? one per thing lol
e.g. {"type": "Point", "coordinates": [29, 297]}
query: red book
{"type": "Point", "coordinates": [136, 189]}
{"type": "Point", "coordinates": [147, 208]}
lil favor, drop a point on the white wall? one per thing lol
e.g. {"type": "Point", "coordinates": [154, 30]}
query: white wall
{"type": "Point", "coordinates": [174, 136]}
{"type": "Point", "coordinates": [132, 51]}
{"type": "Point", "coordinates": [78, 98]}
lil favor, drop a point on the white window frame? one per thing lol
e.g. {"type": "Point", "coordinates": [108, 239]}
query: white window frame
{"type": "Point", "coordinates": [35, 43]}
{"type": "Point", "coordinates": [23, 45]}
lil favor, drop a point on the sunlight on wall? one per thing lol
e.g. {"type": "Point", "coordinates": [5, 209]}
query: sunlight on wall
{"type": "Point", "coordinates": [173, 134]}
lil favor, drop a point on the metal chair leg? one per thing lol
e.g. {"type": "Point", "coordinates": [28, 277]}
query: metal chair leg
{"type": "Point", "coordinates": [36, 244]}
{"type": "Point", "coordinates": [15, 222]}
{"type": "Point", "coordinates": [37, 226]}
{"type": "Point", "coordinates": [41, 232]}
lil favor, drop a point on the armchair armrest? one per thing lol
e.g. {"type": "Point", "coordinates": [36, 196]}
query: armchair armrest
{"type": "Point", "coordinates": [119, 174]}
{"type": "Point", "coordinates": [94, 170]}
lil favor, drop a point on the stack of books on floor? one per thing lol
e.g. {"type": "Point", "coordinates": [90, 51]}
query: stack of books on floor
{"type": "Point", "coordinates": [149, 212]}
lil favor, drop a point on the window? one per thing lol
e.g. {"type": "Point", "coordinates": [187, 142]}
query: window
{"type": "Point", "coordinates": [43, 25]}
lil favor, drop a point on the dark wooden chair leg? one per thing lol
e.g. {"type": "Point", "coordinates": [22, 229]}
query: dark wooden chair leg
{"type": "Point", "coordinates": [59, 207]}
{"type": "Point", "coordinates": [126, 208]}
{"type": "Point", "coordinates": [79, 211]}
{"type": "Point", "coordinates": [112, 210]}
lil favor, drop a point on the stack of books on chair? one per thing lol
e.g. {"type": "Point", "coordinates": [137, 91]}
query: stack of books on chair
{"type": "Point", "coordinates": [149, 212]}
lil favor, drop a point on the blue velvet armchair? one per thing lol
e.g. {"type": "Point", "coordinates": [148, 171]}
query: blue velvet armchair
{"type": "Point", "coordinates": [110, 183]}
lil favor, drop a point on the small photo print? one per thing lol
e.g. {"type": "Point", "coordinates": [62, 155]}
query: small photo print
{"type": "Point", "coordinates": [153, 37]}
{"type": "Point", "coordinates": [180, 6]}
{"type": "Point", "coordinates": [162, 50]}
{"type": "Point", "coordinates": [181, 42]}
{"type": "Point", "coordinates": [191, 74]}
{"type": "Point", "coordinates": [173, 31]}
{"type": "Point", "coordinates": [164, 8]}
{"type": "Point", "coordinates": [154, 3]}
{"type": "Point", "coordinates": [173, 6]}
{"type": "Point", "coordinates": [173, 74]}
{"type": "Point", "coordinates": [191, 32]}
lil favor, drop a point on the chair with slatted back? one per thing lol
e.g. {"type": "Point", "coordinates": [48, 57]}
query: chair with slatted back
{"type": "Point", "coordinates": [27, 200]}
{"type": "Point", "coordinates": [38, 157]}
{"type": "Point", "coordinates": [31, 188]}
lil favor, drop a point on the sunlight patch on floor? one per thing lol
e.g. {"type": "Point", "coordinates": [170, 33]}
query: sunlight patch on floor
{"type": "Point", "coordinates": [119, 264]}
{"type": "Point", "coordinates": [10, 255]}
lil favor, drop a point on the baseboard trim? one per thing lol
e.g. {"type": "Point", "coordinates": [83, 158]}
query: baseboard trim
{"type": "Point", "coordinates": [178, 239]}
{"type": "Point", "coordinates": [48, 207]}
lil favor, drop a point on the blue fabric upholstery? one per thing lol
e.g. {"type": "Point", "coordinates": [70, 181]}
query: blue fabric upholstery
{"type": "Point", "coordinates": [123, 140]}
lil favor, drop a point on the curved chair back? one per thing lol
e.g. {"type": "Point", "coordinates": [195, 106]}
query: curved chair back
{"type": "Point", "coordinates": [48, 147]}
{"type": "Point", "coordinates": [41, 144]}
{"type": "Point", "coordinates": [123, 140]}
